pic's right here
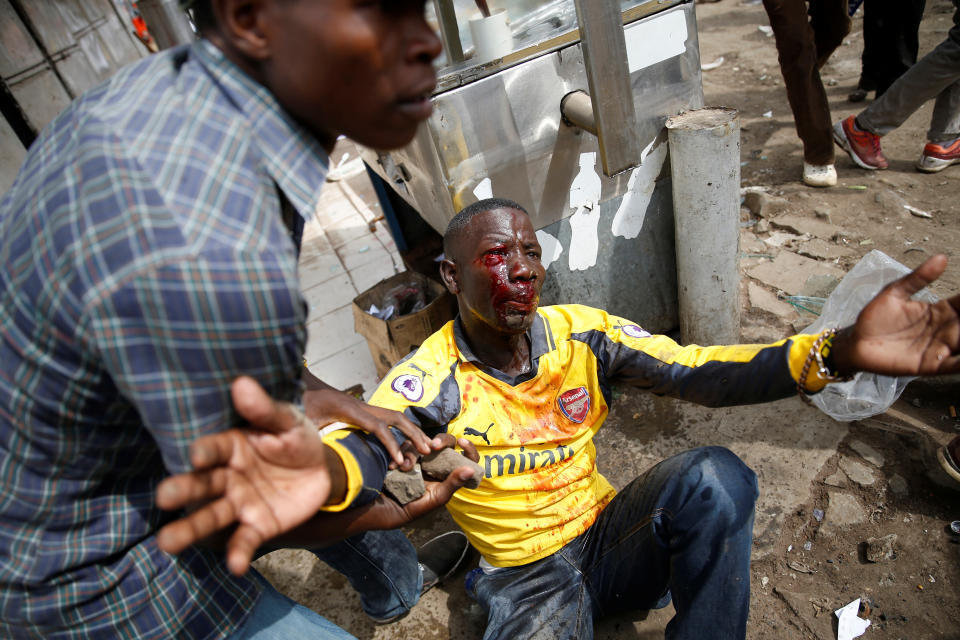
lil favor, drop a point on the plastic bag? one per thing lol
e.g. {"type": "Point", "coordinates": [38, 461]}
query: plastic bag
{"type": "Point", "coordinates": [868, 393]}
{"type": "Point", "coordinates": [401, 300]}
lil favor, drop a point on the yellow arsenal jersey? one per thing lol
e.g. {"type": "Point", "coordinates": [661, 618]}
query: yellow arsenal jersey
{"type": "Point", "coordinates": [534, 432]}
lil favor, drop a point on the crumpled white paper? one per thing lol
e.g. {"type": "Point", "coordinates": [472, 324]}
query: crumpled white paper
{"type": "Point", "coordinates": [850, 625]}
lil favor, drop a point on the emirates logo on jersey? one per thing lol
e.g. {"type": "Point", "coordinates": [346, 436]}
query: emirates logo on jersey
{"type": "Point", "coordinates": [575, 403]}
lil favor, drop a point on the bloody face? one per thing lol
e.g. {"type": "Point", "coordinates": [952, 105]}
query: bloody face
{"type": "Point", "coordinates": [360, 68]}
{"type": "Point", "coordinates": [499, 271]}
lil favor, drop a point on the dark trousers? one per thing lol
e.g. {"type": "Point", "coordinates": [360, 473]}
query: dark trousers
{"type": "Point", "coordinates": [890, 41]}
{"type": "Point", "coordinates": [684, 529]}
{"type": "Point", "coordinates": [806, 34]}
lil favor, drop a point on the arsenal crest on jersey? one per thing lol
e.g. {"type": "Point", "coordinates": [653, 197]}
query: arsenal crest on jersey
{"type": "Point", "coordinates": [575, 403]}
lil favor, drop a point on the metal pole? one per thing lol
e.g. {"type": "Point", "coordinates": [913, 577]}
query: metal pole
{"type": "Point", "coordinates": [167, 22]}
{"type": "Point", "coordinates": [705, 172]}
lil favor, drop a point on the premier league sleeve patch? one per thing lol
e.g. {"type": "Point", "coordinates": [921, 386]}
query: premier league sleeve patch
{"type": "Point", "coordinates": [575, 403]}
{"type": "Point", "coordinates": [409, 386]}
{"type": "Point", "coordinates": [634, 331]}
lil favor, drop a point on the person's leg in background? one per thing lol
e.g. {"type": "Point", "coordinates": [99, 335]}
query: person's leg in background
{"type": "Point", "coordinates": [831, 24]}
{"type": "Point", "coordinates": [382, 567]}
{"type": "Point", "coordinates": [800, 49]}
{"type": "Point", "coordinates": [895, 41]}
{"type": "Point", "coordinates": [936, 75]}
{"type": "Point", "coordinates": [388, 573]}
{"type": "Point", "coordinates": [277, 617]}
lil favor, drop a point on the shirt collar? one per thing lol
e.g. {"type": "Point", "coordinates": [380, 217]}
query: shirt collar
{"type": "Point", "coordinates": [536, 334]}
{"type": "Point", "coordinates": [292, 156]}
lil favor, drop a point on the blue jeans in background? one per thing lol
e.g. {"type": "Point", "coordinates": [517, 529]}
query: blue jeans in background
{"type": "Point", "coordinates": [382, 567]}
{"type": "Point", "coordinates": [277, 617]}
{"type": "Point", "coordinates": [683, 529]}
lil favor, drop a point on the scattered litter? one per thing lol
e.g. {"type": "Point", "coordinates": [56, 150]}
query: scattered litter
{"type": "Point", "coordinates": [955, 527]}
{"type": "Point", "coordinates": [763, 157]}
{"type": "Point", "coordinates": [363, 249]}
{"type": "Point", "coordinates": [818, 515]}
{"type": "Point", "coordinates": [383, 314]}
{"type": "Point", "coordinates": [953, 411]}
{"type": "Point", "coordinates": [790, 548]}
{"type": "Point", "coordinates": [400, 300]}
{"type": "Point", "coordinates": [807, 545]}
{"type": "Point", "coordinates": [744, 163]}
{"type": "Point", "coordinates": [920, 213]}
{"type": "Point", "coordinates": [768, 114]}
{"type": "Point", "coordinates": [832, 82]}
{"type": "Point", "coordinates": [764, 580]}
{"type": "Point", "coordinates": [857, 187]}
{"type": "Point", "coordinates": [763, 77]}
{"type": "Point", "coordinates": [712, 65]}
{"type": "Point", "coordinates": [813, 305]}
{"type": "Point", "coordinates": [931, 579]}
{"type": "Point", "coordinates": [866, 243]}
{"type": "Point", "coordinates": [799, 566]}
{"type": "Point", "coordinates": [849, 624]}
{"type": "Point", "coordinates": [765, 30]}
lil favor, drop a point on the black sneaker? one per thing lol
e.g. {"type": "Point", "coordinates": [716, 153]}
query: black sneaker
{"type": "Point", "coordinates": [440, 557]}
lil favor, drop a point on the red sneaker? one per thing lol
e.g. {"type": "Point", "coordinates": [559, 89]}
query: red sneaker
{"type": "Point", "coordinates": [863, 146]}
{"type": "Point", "coordinates": [937, 156]}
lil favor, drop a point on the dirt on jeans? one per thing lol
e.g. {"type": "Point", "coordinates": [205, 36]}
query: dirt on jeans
{"type": "Point", "coordinates": [873, 479]}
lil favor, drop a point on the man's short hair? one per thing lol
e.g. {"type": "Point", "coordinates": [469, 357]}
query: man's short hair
{"type": "Point", "coordinates": [462, 219]}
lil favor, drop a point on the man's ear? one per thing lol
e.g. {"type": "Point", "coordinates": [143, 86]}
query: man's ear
{"type": "Point", "coordinates": [239, 25]}
{"type": "Point", "coordinates": [449, 275]}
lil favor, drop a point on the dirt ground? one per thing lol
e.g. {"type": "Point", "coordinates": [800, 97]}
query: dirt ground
{"type": "Point", "coordinates": [874, 478]}
{"type": "Point", "coordinates": [915, 594]}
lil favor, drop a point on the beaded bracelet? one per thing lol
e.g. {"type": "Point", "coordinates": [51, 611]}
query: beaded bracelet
{"type": "Point", "coordinates": [823, 341]}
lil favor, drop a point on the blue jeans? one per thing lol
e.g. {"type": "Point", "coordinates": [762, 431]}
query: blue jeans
{"type": "Point", "coordinates": [684, 529]}
{"type": "Point", "coordinates": [277, 617]}
{"type": "Point", "coordinates": [382, 567]}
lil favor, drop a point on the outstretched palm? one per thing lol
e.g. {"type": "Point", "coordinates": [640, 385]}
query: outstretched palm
{"type": "Point", "coordinates": [895, 335]}
{"type": "Point", "coordinates": [266, 482]}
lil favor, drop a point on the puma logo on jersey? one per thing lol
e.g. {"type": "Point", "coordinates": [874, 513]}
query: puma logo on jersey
{"type": "Point", "coordinates": [470, 431]}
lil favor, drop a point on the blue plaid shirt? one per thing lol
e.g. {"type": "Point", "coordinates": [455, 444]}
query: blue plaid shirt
{"type": "Point", "coordinates": [145, 264]}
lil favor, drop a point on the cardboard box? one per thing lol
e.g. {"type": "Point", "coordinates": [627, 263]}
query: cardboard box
{"type": "Point", "coordinates": [390, 340]}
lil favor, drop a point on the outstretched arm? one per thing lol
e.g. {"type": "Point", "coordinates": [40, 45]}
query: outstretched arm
{"type": "Point", "coordinates": [272, 479]}
{"type": "Point", "coordinates": [895, 335]}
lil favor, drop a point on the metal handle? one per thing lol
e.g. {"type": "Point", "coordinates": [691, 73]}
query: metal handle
{"type": "Point", "coordinates": [608, 80]}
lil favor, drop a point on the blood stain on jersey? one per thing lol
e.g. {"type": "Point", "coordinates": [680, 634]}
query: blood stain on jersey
{"type": "Point", "coordinates": [409, 386]}
{"type": "Point", "coordinates": [575, 403]}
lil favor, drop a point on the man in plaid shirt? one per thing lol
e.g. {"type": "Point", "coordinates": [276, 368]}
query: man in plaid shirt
{"type": "Point", "coordinates": [149, 258]}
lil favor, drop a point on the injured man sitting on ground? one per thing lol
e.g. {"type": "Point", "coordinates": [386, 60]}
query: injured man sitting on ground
{"type": "Point", "coordinates": [529, 386]}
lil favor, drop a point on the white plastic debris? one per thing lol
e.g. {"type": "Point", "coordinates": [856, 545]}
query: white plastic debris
{"type": "Point", "coordinates": [768, 114]}
{"type": "Point", "coordinates": [920, 213]}
{"type": "Point", "coordinates": [712, 65]}
{"type": "Point", "coordinates": [765, 30]}
{"type": "Point", "coordinates": [849, 624]}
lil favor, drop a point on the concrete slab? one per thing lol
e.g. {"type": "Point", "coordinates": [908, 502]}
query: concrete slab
{"type": "Point", "coordinates": [802, 225]}
{"type": "Point", "coordinates": [790, 272]}
{"type": "Point", "coordinates": [820, 249]}
{"type": "Point", "coordinates": [330, 333]}
{"type": "Point", "coordinates": [762, 299]}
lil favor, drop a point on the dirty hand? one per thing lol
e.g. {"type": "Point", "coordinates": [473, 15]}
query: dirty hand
{"type": "Point", "coordinates": [895, 335]}
{"type": "Point", "coordinates": [266, 479]}
{"type": "Point", "coordinates": [329, 405]}
{"type": "Point", "coordinates": [386, 513]}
